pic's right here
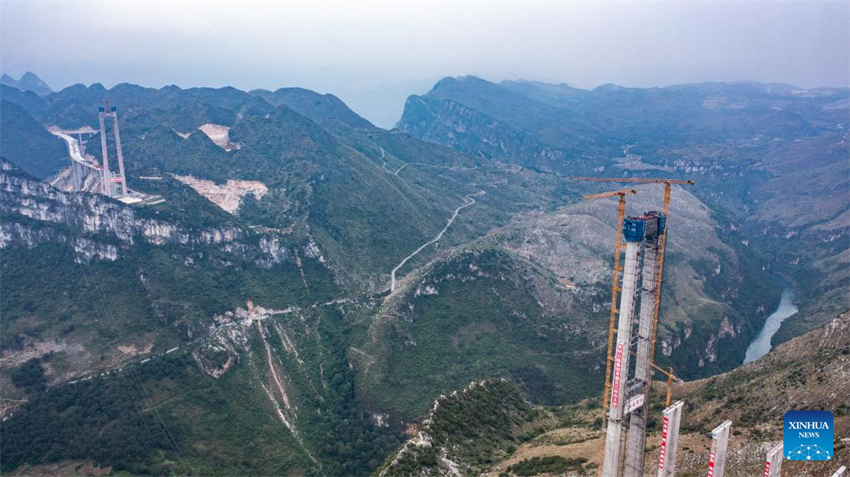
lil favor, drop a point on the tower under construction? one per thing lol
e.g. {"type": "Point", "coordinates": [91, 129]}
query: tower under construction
{"type": "Point", "coordinates": [639, 385]}
{"type": "Point", "coordinates": [645, 237]}
{"type": "Point", "coordinates": [110, 180]}
{"type": "Point", "coordinates": [642, 236]}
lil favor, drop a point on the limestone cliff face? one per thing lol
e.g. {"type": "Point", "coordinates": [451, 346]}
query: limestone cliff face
{"type": "Point", "coordinates": [462, 129]}
{"type": "Point", "coordinates": [101, 228]}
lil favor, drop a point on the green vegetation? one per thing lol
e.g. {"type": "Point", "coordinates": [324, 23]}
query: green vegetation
{"type": "Point", "coordinates": [348, 440]}
{"type": "Point", "coordinates": [325, 109]}
{"type": "Point", "coordinates": [547, 465]}
{"type": "Point", "coordinates": [481, 320]}
{"type": "Point", "coordinates": [166, 416]}
{"type": "Point", "coordinates": [149, 288]}
{"type": "Point", "coordinates": [365, 219]}
{"type": "Point", "coordinates": [364, 198]}
{"type": "Point", "coordinates": [183, 205]}
{"type": "Point", "coordinates": [472, 427]}
{"type": "Point", "coordinates": [29, 376]}
{"type": "Point", "coordinates": [768, 160]}
{"type": "Point", "coordinates": [26, 143]}
{"type": "Point", "coordinates": [99, 419]}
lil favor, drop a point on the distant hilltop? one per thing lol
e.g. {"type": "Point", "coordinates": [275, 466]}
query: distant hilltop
{"type": "Point", "coordinates": [29, 82]}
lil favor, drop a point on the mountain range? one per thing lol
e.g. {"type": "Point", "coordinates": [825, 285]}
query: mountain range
{"type": "Point", "coordinates": [28, 82]}
{"type": "Point", "coordinates": [310, 283]}
{"type": "Point", "coordinates": [770, 159]}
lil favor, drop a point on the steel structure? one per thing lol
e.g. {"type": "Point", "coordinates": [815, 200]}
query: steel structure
{"type": "Point", "coordinates": [839, 472]}
{"type": "Point", "coordinates": [109, 178]}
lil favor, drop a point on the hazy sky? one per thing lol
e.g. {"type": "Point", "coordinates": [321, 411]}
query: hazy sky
{"type": "Point", "coordinates": [374, 54]}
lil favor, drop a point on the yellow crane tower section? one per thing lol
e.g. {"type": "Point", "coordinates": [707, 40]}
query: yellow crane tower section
{"type": "Point", "coordinates": [615, 287]}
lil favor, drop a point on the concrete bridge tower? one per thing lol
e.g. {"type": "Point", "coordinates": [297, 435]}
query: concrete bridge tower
{"type": "Point", "coordinates": [108, 177]}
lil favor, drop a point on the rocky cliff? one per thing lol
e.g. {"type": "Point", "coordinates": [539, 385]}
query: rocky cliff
{"type": "Point", "coordinates": [99, 227]}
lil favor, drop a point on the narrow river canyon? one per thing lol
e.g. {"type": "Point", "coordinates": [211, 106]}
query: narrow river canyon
{"type": "Point", "coordinates": [760, 346]}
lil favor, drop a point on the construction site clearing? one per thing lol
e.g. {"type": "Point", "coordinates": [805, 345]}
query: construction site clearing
{"type": "Point", "coordinates": [85, 174]}
{"type": "Point", "coordinates": [229, 195]}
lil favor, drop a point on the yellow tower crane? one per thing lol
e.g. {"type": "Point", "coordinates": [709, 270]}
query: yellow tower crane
{"type": "Point", "coordinates": [639, 180]}
{"type": "Point", "coordinates": [615, 287]}
{"type": "Point", "coordinates": [670, 378]}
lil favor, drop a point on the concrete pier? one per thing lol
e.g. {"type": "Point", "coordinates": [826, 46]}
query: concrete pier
{"type": "Point", "coordinates": [636, 440]}
{"type": "Point", "coordinates": [773, 462]}
{"type": "Point", "coordinates": [669, 447]}
{"type": "Point", "coordinates": [611, 457]}
{"type": "Point", "coordinates": [719, 445]}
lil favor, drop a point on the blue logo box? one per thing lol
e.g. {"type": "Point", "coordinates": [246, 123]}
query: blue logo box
{"type": "Point", "coordinates": [807, 435]}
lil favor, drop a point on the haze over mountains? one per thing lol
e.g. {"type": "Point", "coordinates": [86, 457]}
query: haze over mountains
{"type": "Point", "coordinates": [307, 329]}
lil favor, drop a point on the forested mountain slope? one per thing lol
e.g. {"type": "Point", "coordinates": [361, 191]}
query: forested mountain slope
{"type": "Point", "coordinates": [42, 154]}
{"type": "Point", "coordinates": [302, 327]}
{"type": "Point", "coordinates": [193, 339]}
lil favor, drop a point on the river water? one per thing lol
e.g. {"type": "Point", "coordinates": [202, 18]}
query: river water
{"type": "Point", "coordinates": [761, 345]}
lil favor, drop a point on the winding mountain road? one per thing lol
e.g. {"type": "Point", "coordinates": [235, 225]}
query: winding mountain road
{"type": "Point", "coordinates": [469, 201]}
{"type": "Point", "coordinates": [74, 150]}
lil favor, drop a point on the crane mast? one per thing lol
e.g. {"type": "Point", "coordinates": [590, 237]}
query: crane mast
{"type": "Point", "coordinates": [615, 286]}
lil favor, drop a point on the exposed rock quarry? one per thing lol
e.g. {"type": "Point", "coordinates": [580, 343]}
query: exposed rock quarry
{"type": "Point", "coordinates": [229, 195]}
{"type": "Point", "coordinates": [220, 135]}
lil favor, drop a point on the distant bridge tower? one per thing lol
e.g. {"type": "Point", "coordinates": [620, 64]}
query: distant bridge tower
{"type": "Point", "coordinates": [109, 178]}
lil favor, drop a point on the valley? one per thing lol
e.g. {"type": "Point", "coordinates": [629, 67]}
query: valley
{"type": "Point", "coordinates": [315, 295]}
{"type": "Point", "coordinates": [761, 345]}
{"type": "Point", "coordinates": [539, 440]}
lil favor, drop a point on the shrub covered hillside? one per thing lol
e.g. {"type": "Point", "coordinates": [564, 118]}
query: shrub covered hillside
{"type": "Point", "coordinates": [465, 432]}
